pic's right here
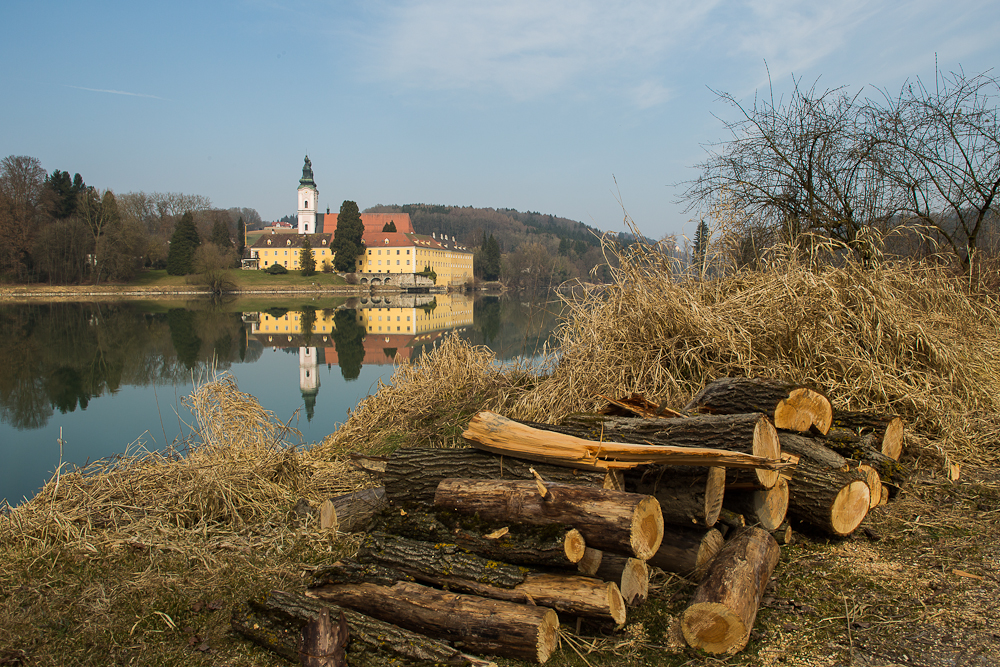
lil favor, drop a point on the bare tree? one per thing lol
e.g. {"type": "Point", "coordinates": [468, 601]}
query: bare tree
{"type": "Point", "coordinates": [21, 181]}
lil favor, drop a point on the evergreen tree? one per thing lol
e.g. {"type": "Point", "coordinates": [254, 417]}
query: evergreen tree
{"type": "Point", "coordinates": [241, 242]}
{"type": "Point", "coordinates": [180, 258]}
{"type": "Point", "coordinates": [389, 226]}
{"type": "Point", "coordinates": [220, 235]}
{"type": "Point", "coordinates": [348, 339]}
{"type": "Point", "coordinates": [491, 259]}
{"type": "Point", "coordinates": [701, 236]}
{"type": "Point", "coordinates": [348, 237]}
{"type": "Point", "coordinates": [306, 260]}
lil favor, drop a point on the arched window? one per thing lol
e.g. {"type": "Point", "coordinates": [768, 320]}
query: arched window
{"type": "Point", "coordinates": [305, 204]}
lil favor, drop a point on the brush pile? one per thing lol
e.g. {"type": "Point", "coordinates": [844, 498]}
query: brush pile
{"type": "Point", "coordinates": [487, 549]}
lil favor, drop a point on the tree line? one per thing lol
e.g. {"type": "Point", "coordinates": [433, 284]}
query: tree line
{"type": "Point", "coordinates": [909, 173]}
{"type": "Point", "coordinates": [59, 229]}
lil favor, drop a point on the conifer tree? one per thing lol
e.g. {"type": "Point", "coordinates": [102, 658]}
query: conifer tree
{"type": "Point", "coordinates": [348, 237]}
{"type": "Point", "coordinates": [306, 260]}
{"type": "Point", "coordinates": [183, 243]}
{"type": "Point", "coordinates": [701, 236]}
{"type": "Point", "coordinates": [389, 226]}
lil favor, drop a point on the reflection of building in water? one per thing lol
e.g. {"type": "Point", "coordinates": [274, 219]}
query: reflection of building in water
{"type": "Point", "coordinates": [385, 328]}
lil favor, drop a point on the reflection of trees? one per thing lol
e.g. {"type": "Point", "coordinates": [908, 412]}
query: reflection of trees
{"type": "Point", "coordinates": [61, 355]}
{"type": "Point", "coordinates": [511, 327]}
{"type": "Point", "coordinates": [348, 338]}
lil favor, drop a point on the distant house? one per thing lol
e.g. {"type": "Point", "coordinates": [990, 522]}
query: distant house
{"type": "Point", "coordinates": [402, 251]}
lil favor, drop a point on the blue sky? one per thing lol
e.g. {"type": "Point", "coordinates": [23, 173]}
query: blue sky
{"type": "Point", "coordinates": [552, 106]}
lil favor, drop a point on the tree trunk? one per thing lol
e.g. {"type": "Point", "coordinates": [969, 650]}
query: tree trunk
{"type": "Point", "coordinates": [569, 593]}
{"type": "Point", "coordinates": [721, 614]}
{"type": "Point", "coordinates": [630, 574]}
{"type": "Point", "coordinates": [751, 434]}
{"type": "Point", "coordinates": [503, 436]}
{"type": "Point", "coordinates": [766, 507]}
{"type": "Point", "coordinates": [412, 473]}
{"type": "Point", "coordinates": [886, 429]}
{"type": "Point", "coordinates": [616, 521]}
{"type": "Point", "coordinates": [353, 511]}
{"type": "Point", "coordinates": [865, 448]}
{"type": "Point", "coordinates": [791, 406]}
{"type": "Point", "coordinates": [494, 627]}
{"type": "Point", "coordinates": [688, 495]}
{"type": "Point", "coordinates": [687, 551]}
{"type": "Point", "coordinates": [825, 491]}
{"type": "Point", "coordinates": [276, 623]}
{"type": "Point", "coordinates": [547, 546]}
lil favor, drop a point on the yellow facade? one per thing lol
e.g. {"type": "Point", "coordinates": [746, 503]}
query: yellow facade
{"type": "Point", "coordinates": [453, 267]}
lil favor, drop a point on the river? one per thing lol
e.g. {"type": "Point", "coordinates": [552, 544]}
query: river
{"type": "Point", "coordinates": [107, 378]}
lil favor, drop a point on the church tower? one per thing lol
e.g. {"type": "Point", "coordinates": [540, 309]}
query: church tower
{"type": "Point", "coordinates": [308, 200]}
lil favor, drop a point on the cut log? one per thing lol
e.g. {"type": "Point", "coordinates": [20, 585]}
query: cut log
{"type": "Point", "coordinates": [626, 523]}
{"type": "Point", "coordinates": [353, 511]}
{"type": "Point", "coordinates": [573, 594]}
{"type": "Point", "coordinates": [751, 434]}
{"type": "Point", "coordinates": [324, 642]}
{"type": "Point", "coordinates": [721, 614]}
{"type": "Point", "coordinates": [472, 623]}
{"type": "Point", "coordinates": [791, 406]}
{"type": "Point", "coordinates": [825, 491]}
{"type": "Point", "coordinates": [503, 436]}
{"type": "Point", "coordinates": [276, 622]}
{"type": "Point", "coordinates": [765, 507]}
{"type": "Point", "coordinates": [412, 473]}
{"type": "Point", "coordinates": [688, 495]}
{"type": "Point", "coordinates": [687, 551]}
{"type": "Point", "coordinates": [874, 482]}
{"type": "Point", "coordinates": [547, 546]}
{"type": "Point", "coordinates": [865, 448]}
{"type": "Point", "coordinates": [630, 574]}
{"type": "Point", "coordinates": [886, 429]}
{"type": "Point", "coordinates": [590, 562]}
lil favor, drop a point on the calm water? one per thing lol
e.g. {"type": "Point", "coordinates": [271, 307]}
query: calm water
{"type": "Point", "coordinates": [112, 375]}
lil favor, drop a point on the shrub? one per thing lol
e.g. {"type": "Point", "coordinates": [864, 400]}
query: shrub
{"type": "Point", "coordinates": [276, 269]}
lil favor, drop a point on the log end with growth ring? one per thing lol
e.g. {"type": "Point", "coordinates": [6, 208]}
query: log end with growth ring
{"type": "Point", "coordinates": [803, 409]}
{"type": "Point", "coordinates": [766, 445]}
{"type": "Point", "coordinates": [647, 528]}
{"type": "Point", "coordinates": [574, 545]}
{"type": "Point", "coordinates": [709, 548]}
{"type": "Point", "coordinates": [771, 505]}
{"type": "Point", "coordinates": [892, 440]}
{"type": "Point", "coordinates": [850, 507]}
{"type": "Point", "coordinates": [713, 627]}
{"type": "Point", "coordinates": [548, 637]}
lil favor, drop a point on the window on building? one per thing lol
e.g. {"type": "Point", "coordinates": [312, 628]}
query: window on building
{"type": "Point", "coordinates": [306, 205]}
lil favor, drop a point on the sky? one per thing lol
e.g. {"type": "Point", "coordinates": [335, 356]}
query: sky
{"type": "Point", "coordinates": [585, 109]}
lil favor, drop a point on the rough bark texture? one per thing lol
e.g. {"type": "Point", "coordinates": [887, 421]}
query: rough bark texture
{"type": "Point", "coordinates": [866, 449]}
{"type": "Point", "coordinates": [412, 473]}
{"type": "Point", "coordinates": [550, 546]}
{"type": "Point", "coordinates": [276, 622]}
{"type": "Point", "coordinates": [688, 495]}
{"type": "Point", "coordinates": [630, 574]}
{"type": "Point", "coordinates": [887, 430]}
{"type": "Point", "coordinates": [353, 511]}
{"type": "Point", "coordinates": [745, 433]}
{"type": "Point", "coordinates": [764, 507]}
{"type": "Point", "coordinates": [324, 641]}
{"type": "Point", "coordinates": [590, 562]}
{"type": "Point", "coordinates": [790, 406]}
{"type": "Point", "coordinates": [471, 623]}
{"type": "Point", "coordinates": [616, 521]}
{"type": "Point", "coordinates": [687, 551]}
{"type": "Point", "coordinates": [721, 614]}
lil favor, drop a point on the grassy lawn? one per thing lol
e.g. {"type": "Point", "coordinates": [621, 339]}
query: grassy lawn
{"type": "Point", "coordinates": [242, 279]}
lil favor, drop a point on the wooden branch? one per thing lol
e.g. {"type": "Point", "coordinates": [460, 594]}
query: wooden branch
{"type": "Point", "coordinates": [353, 511]}
{"type": "Point", "coordinates": [887, 430]}
{"type": "Point", "coordinates": [493, 627]}
{"type": "Point", "coordinates": [626, 523]}
{"type": "Point", "coordinates": [722, 611]}
{"type": "Point", "coordinates": [503, 436]}
{"type": "Point", "coordinates": [276, 622]}
{"type": "Point", "coordinates": [791, 406]}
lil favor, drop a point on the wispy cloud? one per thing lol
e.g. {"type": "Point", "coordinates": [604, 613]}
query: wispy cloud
{"type": "Point", "coordinates": [117, 92]}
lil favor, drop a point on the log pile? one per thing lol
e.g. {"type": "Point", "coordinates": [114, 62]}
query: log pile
{"type": "Point", "coordinates": [485, 550]}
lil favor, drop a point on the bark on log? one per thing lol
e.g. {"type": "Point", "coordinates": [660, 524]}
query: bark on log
{"type": "Point", "coordinates": [573, 594]}
{"type": "Point", "coordinates": [865, 448]}
{"type": "Point", "coordinates": [630, 574]}
{"type": "Point", "coordinates": [886, 429]}
{"type": "Point", "coordinates": [874, 482]}
{"type": "Point", "coordinates": [353, 511]}
{"type": "Point", "coordinates": [548, 546]}
{"type": "Point", "coordinates": [469, 622]}
{"type": "Point", "coordinates": [503, 436]}
{"type": "Point", "coordinates": [825, 491]}
{"type": "Point", "coordinates": [687, 551]}
{"type": "Point", "coordinates": [276, 622]}
{"type": "Point", "coordinates": [688, 495]}
{"type": "Point", "coordinates": [721, 614]}
{"type": "Point", "coordinates": [765, 507]}
{"type": "Point", "coordinates": [616, 521]}
{"type": "Point", "coordinates": [324, 641]}
{"type": "Point", "coordinates": [412, 473]}
{"type": "Point", "coordinates": [590, 562]}
{"type": "Point", "coordinates": [751, 434]}
{"type": "Point", "coordinates": [791, 406]}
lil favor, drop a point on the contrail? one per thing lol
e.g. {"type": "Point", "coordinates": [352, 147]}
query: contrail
{"type": "Point", "coordinates": [117, 92]}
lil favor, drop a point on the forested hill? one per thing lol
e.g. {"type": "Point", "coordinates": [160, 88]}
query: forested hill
{"type": "Point", "coordinates": [511, 228]}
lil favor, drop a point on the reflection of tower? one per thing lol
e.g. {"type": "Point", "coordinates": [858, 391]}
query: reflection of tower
{"type": "Point", "coordinates": [308, 379]}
